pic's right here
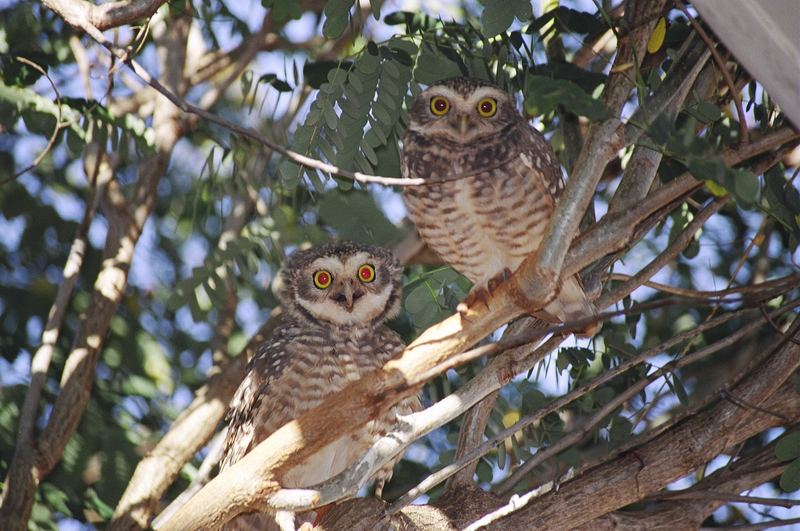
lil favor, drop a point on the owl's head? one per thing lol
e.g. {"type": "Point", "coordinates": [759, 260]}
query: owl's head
{"type": "Point", "coordinates": [462, 110]}
{"type": "Point", "coordinates": [341, 283]}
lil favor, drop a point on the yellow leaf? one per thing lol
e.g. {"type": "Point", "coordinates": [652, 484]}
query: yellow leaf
{"type": "Point", "coordinates": [715, 188]}
{"type": "Point", "coordinates": [510, 418]}
{"type": "Point", "coordinates": [657, 37]}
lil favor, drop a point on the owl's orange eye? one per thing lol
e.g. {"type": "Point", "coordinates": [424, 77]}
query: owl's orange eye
{"type": "Point", "coordinates": [487, 107]}
{"type": "Point", "coordinates": [439, 106]}
{"type": "Point", "coordinates": [322, 279]}
{"type": "Point", "coordinates": [366, 273]}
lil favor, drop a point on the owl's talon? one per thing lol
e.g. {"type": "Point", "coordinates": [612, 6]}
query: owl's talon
{"type": "Point", "coordinates": [477, 295]}
{"type": "Point", "coordinates": [499, 279]}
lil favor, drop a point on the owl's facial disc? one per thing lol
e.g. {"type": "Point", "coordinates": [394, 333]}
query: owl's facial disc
{"type": "Point", "coordinates": [349, 292]}
{"type": "Point", "coordinates": [462, 117]}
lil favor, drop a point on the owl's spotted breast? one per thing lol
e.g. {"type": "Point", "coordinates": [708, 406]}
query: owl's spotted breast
{"type": "Point", "coordinates": [460, 219]}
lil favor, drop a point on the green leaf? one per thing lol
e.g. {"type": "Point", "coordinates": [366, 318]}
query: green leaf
{"type": "Point", "coordinates": [415, 21]}
{"type": "Point", "coordinates": [103, 509]}
{"type": "Point", "coordinates": [677, 387]}
{"type": "Point", "coordinates": [568, 20]}
{"type": "Point", "coordinates": [790, 479]}
{"type": "Point", "coordinates": [283, 10]}
{"type": "Point", "coordinates": [745, 186]}
{"type": "Point", "coordinates": [498, 15]}
{"type": "Point", "coordinates": [781, 201]}
{"type": "Point", "coordinates": [532, 400]}
{"type": "Point", "coordinates": [620, 430]}
{"type": "Point", "coordinates": [660, 129]}
{"type": "Point", "coordinates": [788, 447]}
{"type": "Point", "coordinates": [376, 6]}
{"type": "Point", "coordinates": [337, 13]}
{"type": "Point", "coordinates": [56, 498]}
{"type": "Point", "coordinates": [140, 386]}
{"type": "Point", "coordinates": [707, 169]}
{"type": "Point", "coordinates": [604, 395]}
{"type": "Point", "coordinates": [355, 216]}
{"type": "Point", "coordinates": [484, 471]}
{"type": "Point", "coordinates": [433, 66]}
{"type": "Point", "coordinates": [543, 95]}
{"type": "Point", "coordinates": [706, 112]}
{"type": "Point", "coordinates": [247, 81]}
{"type": "Point", "coordinates": [316, 73]}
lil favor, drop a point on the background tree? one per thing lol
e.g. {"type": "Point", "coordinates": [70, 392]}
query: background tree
{"type": "Point", "coordinates": [147, 201]}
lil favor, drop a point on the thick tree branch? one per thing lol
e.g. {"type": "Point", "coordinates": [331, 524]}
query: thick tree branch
{"type": "Point", "coordinates": [99, 172]}
{"type": "Point", "coordinates": [687, 509]}
{"type": "Point", "coordinates": [676, 451]}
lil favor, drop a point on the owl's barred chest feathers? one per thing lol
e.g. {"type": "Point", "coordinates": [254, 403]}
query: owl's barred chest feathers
{"type": "Point", "coordinates": [321, 360]}
{"type": "Point", "coordinates": [462, 218]}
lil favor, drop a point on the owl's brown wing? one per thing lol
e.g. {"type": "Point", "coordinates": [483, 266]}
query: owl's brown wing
{"type": "Point", "coordinates": [543, 158]}
{"type": "Point", "coordinates": [267, 365]}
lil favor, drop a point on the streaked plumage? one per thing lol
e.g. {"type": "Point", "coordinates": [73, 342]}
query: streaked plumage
{"type": "Point", "coordinates": [331, 336]}
{"type": "Point", "coordinates": [487, 223]}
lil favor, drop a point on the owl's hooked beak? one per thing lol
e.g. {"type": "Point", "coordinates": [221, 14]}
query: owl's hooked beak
{"type": "Point", "coordinates": [346, 295]}
{"type": "Point", "coordinates": [463, 124]}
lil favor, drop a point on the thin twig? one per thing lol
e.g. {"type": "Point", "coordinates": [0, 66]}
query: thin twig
{"type": "Point", "coordinates": [755, 527]}
{"type": "Point", "coordinates": [744, 405]}
{"type": "Point", "coordinates": [667, 255]}
{"type": "Point", "coordinates": [576, 435]}
{"type": "Point", "coordinates": [248, 132]}
{"type": "Point", "coordinates": [51, 142]}
{"type": "Point", "coordinates": [712, 495]}
{"type": "Point", "coordinates": [735, 96]}
{"type": "Point", "coordinates": [760, 291]}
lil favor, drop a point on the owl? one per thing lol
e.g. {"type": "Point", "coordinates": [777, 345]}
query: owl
{"type": "Point", "coordinates": [336, 299]}
{"type": "Point", "coordinates": [486, 224]}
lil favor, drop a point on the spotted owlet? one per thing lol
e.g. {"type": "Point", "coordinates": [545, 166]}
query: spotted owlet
{"type": "Point", "coordinates": [486, 224]}
{"type": "Point", "coordinates": [336, 299]}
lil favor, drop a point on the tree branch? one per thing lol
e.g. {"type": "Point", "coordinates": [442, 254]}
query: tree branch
{"type": "Point", "coordinates": [190, 431]}
{"type": "Point", "coordinates": [676, 451]}
{"type": "Point", "coordinates": [687, 509]}
{"type": "Point", "coordinates": [259, 473]}
{"type": "Point", "coordinates": [76, 381]}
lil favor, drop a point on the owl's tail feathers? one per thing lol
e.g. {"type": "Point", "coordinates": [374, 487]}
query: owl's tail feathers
{"type": "Point", "coordinates": [572, 304]}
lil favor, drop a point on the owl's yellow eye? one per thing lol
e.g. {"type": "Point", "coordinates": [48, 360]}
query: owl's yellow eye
{"type": "Point", "coordinates": [366, 273]}
{"type": "Point", "coordinates": [322, 279]}
{"type": "Point", "coordinates": [487, 107]}
{"type": "Point", "coordinates": [439, 106]}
